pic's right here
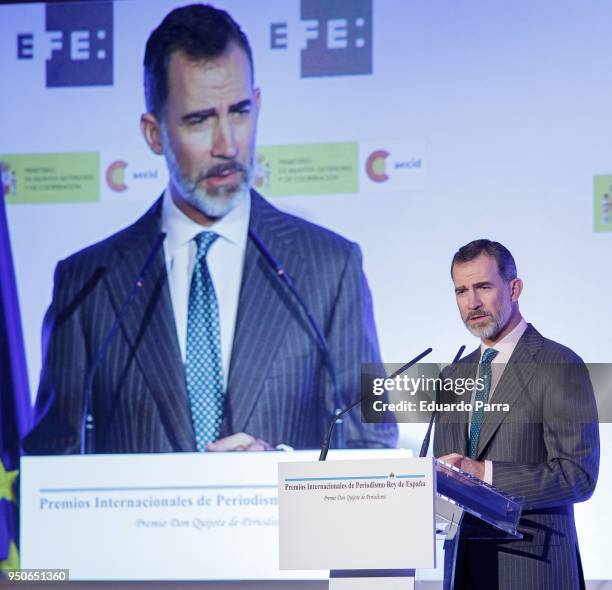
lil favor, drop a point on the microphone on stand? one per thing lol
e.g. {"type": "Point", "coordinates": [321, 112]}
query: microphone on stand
{"type": "Point", "coordinates": [325, 445]}
{"type": "Point", "coordinates": [425, 445]}
{"type": "Point", "coordinates": [284, 278]}
{"type": "Point", "coordinates": [87, 419]}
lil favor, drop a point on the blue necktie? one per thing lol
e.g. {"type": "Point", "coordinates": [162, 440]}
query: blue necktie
{"type": "Point", "coordinates": [203, 367]}
{"type": "Point", "coordinates": [484, 373]}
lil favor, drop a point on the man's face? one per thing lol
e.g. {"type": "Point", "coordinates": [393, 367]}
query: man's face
{"type": "Point", "coordinates": [484, 298]}
{"type": "Point", "coordinates": [208, 130]}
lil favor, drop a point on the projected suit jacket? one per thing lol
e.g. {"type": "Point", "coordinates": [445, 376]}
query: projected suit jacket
{"type": "Point", "coordinates": [278, 387]}
{"type": "Point", "coordinates": [545, 452]}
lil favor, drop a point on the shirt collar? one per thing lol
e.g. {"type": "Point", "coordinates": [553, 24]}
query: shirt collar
{"type": "Point", "coordinates": [181, 229]}
{"type": "Point", "coordinates": [505, 347]}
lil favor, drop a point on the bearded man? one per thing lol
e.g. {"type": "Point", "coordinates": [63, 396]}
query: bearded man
{"type": "Point", "coordinates": [542, 447]}
{"type": "Point", "coordinates": [215, 352]}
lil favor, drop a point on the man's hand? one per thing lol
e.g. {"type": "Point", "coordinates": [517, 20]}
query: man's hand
{"type": "Point", "coordinates": [475, 468]}
{"type": "Point", "coordinates": [241, 441]}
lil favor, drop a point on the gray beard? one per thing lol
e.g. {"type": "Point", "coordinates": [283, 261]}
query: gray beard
{"type": "Point", "coordinates": [494, 328]}
{"type": "Point", "coordinates": [215, 205]}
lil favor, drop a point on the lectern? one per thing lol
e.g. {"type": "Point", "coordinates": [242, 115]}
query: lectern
{"type": "Point", "coordinates": [374, 522]}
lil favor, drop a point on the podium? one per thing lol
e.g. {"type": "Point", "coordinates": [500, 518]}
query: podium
{"type": "Point", "coordinates": [325, 519]}
{"type": "Point", "coordinates": [156, 516]}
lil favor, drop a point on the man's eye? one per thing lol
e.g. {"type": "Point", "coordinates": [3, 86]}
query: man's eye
{"type": "Point", "coordinates": [197, 119]}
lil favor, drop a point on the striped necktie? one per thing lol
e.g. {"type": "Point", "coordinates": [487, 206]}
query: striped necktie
{"type": "Point", "coordinates": [484, 372]}
{"type": "Point", "coordinates": [203, 368]}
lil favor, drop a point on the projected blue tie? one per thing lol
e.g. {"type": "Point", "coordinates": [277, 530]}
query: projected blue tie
{"type": "Point", "coordinates": [481, 396]}
{"type": "Point", "coordinates": [204, 370]}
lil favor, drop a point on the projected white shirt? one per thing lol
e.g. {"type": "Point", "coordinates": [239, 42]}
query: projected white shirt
{"type": "Point", "coordinates": [225, 262]}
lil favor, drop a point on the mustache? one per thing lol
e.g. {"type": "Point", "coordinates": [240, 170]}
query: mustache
{"type": "Point", "coordinates": [476, 313]}
{"type": "Point", "coordinates": [219, 169]}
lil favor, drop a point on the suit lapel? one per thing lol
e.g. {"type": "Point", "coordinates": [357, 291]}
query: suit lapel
{"type": "Point", "coordinates": [265, 307]}
{"type": "Point", "coordinates": [512, 384]}
{"type": "Point", "coordinates": [149, 325]}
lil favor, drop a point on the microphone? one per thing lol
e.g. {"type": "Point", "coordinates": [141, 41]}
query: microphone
{"type": "Point", "coordinates": [284, 278]}
{"type": "Point", "coordinates": [87, 419]}
{"type": "Point", "coordinates": [325, 446]}
{"type": "Point", "coordinates": [425, 445]}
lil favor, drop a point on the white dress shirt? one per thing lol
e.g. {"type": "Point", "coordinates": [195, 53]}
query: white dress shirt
{"type": "Point", "coordinates": [225, 261]}
{"type": "Point", "coordinates": [505, 347]}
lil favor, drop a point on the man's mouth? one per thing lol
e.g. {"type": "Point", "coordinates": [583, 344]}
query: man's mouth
{"type": "Point", "coordinates": [222, 175]}
{"type": "Point", "coordinates": [225, 177]}
{"type": "Point", "coordinates": [476, 318]}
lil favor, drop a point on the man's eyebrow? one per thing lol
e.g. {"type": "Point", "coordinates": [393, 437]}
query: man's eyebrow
{"type": "Point", "coordinates": [238, 106]}
{"type": "Point", "coordinates": [474, 285]}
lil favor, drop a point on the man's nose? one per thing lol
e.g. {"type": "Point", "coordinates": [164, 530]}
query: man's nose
{"type": "Point", "coordinates": [474, 302]}
{"type": "Point", "coordinates": [224, 145]}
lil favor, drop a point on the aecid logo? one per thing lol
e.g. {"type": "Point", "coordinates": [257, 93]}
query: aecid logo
{"type": "Point", "coordinates": [115, 176]}
{"type": "Point", "coordinates": [120, 175]}
{"type": "Point", "coordinates": [380, 161]}
{"type": "Point", "coordinates": [375, 166]}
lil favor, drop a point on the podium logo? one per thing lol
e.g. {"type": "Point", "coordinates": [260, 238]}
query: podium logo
{"type": "Point", "coordinates": [335, 37]}
{"type": "Point", "coordinates": [78, 45]}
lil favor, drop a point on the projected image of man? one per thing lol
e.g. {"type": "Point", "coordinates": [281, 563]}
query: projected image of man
{"type": "Point", "coordinates": [215, 353]}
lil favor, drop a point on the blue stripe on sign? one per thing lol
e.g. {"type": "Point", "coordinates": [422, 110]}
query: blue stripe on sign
{"type": "Point", "coordinates": [351, 477]}
{"type": "Point", "coordinates": [156, 488]}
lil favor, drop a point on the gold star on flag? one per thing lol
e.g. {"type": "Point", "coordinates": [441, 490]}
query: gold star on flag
{"type": "Point", "coordinates": [7, 484]}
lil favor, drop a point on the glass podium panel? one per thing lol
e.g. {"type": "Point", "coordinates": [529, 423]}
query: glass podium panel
{"type": "Point", "coordinates": [458, 492]}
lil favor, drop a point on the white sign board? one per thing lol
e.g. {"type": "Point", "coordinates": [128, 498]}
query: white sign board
{"type": "Point", "coordinates": [370, 514]}
{"type": "Point", "coordinates": [180, 516]}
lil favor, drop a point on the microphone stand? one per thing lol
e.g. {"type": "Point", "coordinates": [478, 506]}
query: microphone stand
{"type": "Point", "coordinates": [87, 419]}
{"type": "Point", "coordinates": [281, 273]}
{"type": "Point", "coordinates": [425, 444]}
{"type": "Point", "coordinates": [325, 446]}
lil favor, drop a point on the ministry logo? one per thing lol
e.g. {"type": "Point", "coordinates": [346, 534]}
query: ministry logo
{"type": "Point", "coordinates": [79, 44]}
{"type": "Point", "coordinates": [336, 37]}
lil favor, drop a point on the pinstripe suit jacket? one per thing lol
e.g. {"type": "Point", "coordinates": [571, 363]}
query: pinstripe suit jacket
{"type": "Point", "coordinates": [545, 451]}
{"type": "Point", "coordinates": [278, 388]}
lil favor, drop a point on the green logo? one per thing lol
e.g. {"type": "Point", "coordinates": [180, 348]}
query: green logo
{"type": "Point", "coordinates": [602, 189]}
{"type": "Point", "coordinates": [307, 169]}
{"type": "Point", "coordinates": [51, 178]}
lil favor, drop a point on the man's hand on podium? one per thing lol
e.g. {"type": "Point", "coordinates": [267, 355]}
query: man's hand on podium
{"type": "Point", "coordinates": [475, 468]}
{"type": "Point", "coordinates": [241, 441]}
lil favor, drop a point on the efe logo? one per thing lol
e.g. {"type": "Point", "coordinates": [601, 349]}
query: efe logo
{"type": "Point", "coordinates": [335, 37]}
{"type": "Point", "coordinates": [79, 44]}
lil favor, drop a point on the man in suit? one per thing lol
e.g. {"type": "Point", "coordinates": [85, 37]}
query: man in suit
{"type": "Point", "coordinates": [543, 448]}
{"type": "Point", "coordinates": [215, 353]}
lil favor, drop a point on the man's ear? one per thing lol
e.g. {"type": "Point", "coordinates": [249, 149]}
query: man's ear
{"type": "Point", "coordinates": [516, 288]}
{"type": "Point", "coordinates": [150, 127]}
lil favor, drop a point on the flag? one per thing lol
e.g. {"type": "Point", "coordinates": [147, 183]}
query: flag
{"type": "Point", "coordinates": [15, 406]}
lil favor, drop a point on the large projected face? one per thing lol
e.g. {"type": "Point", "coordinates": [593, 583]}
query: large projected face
{"type": "Point", "coordinates": [208, 132]}
{"type": "Point", "coordinates": [486, 301]}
